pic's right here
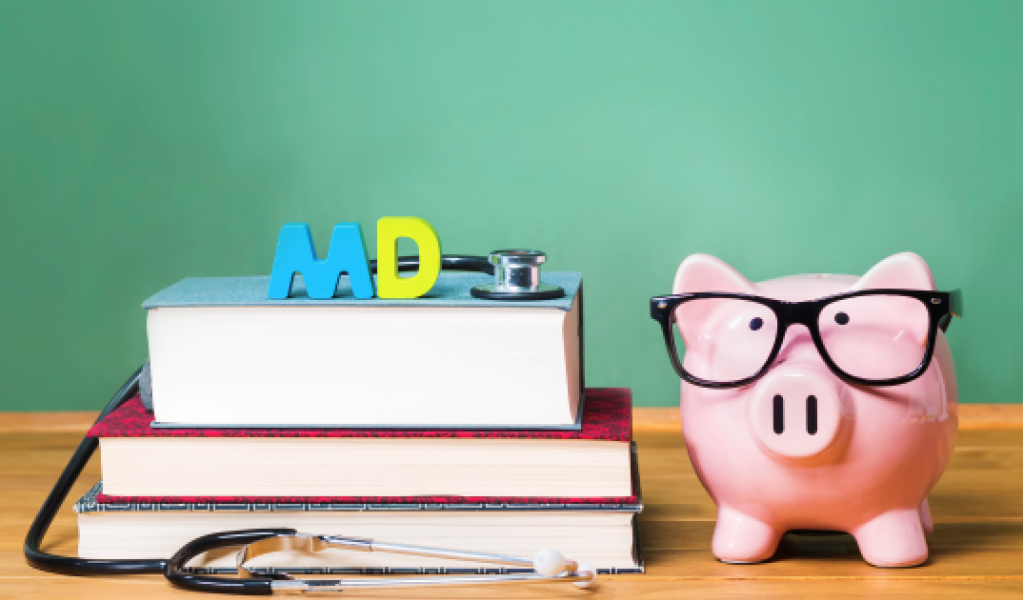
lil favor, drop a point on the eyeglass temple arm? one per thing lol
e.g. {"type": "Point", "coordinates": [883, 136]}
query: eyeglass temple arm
{"type": "Point", "coordinates": [956, 309]}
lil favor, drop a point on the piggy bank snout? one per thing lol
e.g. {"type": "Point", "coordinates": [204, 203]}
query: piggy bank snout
{"type": "Point", "coordinates": [795, 411]}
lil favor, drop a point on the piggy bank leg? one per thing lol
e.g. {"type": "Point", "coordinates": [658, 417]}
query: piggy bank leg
{"type": "Point", "coordinates": [893, 539]}
{"type": "Point", "coordinates": [739, 538]}
{"type": "Point", "coordinates": [925, 518]}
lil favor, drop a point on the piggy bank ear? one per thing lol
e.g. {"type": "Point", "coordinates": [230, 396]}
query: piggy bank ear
{"type": "Point", "coordinates": [705, 273]}
{"type": "Point", "coordinates": [906, 270]}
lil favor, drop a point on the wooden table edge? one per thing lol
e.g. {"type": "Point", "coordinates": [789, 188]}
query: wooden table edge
{"type": "Point", "coordinates": [971, 417]}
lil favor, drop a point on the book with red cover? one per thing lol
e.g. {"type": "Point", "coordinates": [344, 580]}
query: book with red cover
{"type": "Point", "coordinates": [607, 417]}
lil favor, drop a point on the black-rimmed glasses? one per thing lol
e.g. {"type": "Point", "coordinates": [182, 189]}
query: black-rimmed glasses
{"type": "Point", "coordinates": [868, 337]}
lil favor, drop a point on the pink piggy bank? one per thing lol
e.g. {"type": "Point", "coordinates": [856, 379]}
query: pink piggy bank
{"type": "Point", "coordinates": [822, 402]}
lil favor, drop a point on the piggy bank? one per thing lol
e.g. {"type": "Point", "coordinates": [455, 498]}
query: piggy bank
{"type": "Point", "coordinates": [848, 425]}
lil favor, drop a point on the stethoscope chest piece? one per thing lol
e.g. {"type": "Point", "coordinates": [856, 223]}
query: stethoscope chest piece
{"type": "Point", "coordinates": [517, 277]}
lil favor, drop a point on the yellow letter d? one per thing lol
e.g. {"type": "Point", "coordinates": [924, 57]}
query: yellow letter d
{"type": "Point", "coordinates": [389, 283]}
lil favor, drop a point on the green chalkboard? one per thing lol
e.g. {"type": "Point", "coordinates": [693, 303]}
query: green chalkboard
{"type": "Point", "coordinates": [144, 142]}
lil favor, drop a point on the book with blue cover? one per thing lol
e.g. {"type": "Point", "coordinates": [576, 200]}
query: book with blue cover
{"type": "Point", "coordinates": [223, 354]}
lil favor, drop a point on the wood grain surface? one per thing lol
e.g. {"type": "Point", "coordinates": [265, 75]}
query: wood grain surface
{"type": "Point", "coordinates": [976, 549]}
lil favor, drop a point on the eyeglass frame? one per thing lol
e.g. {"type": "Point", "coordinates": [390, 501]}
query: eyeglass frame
{"type": "Point", "coordinates": [941, 307]}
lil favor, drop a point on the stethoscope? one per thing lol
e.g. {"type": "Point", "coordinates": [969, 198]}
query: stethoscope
{"type": "Point", "coordinates": [548, 564]}
{"type": "Point", "coordinates": [516, 277]}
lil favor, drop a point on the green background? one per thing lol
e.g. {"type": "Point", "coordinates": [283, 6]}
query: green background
{"type": "Point", "coordinates": [145, 142]}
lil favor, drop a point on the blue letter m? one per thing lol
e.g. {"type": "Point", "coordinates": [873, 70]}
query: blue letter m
{"type": "Point", "coordinates": [296, 253]}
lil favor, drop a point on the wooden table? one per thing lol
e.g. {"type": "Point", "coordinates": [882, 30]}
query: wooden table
{"type": "Point", "coordinates": [976, 549]}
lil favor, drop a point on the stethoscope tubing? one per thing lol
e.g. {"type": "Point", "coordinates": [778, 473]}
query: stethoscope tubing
{"type": "Point", "coordinates": [175, 573]}
{"type": "Point", "coordinates": [73, 565]}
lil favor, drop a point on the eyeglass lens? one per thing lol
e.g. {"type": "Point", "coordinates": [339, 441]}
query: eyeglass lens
{"type": "Point", "coordinates": [875, 337]}
{"type": "Point", "coordinates": [871, 337]}
{"type": "Point", "coordinates": [724, 339]}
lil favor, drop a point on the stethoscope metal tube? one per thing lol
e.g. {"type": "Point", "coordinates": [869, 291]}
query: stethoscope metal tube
{"type": "Point", "coordinates": [314, 543]}
{"type": "Point", "coordinates": [340, 585]}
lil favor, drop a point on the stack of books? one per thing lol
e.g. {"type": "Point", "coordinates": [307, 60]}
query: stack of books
{"type": "Point", "coordinates": [443, 421]}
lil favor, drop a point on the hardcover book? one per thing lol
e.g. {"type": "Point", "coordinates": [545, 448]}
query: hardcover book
{"type": "Point", "coordinates": [223, 354]}
{"type": "Point", "coordinates": [139, 460]}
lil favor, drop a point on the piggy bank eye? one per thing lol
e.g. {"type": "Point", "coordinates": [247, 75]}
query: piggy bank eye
{"type": "Point", "coordinates": [756, 324]}
{"type": "Point", "coordinates": [841, 318]}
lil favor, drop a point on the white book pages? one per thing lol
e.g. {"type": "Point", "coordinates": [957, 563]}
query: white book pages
{"type": "Point", "coordinates": [366, 366]}
{"type": "Point", "coordinates": [604, 539]}
{"type": "Point", "coordinates": [365, 466]}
